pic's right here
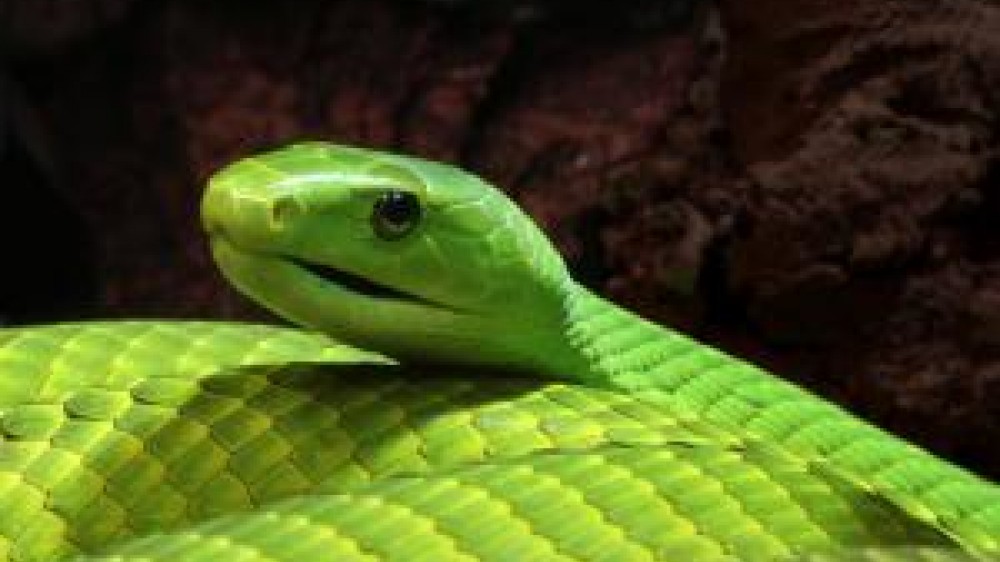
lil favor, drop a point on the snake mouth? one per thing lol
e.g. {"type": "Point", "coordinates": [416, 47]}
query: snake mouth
{"type": "Point", "coordinates": [233, 259]}
{"type": "Point", "coordinates": [361, 285]}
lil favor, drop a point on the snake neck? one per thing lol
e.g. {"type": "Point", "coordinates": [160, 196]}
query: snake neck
{"type": "Point", "coordinates": [611, 346]}
{"type": "Point", "coordinates": [615, 348]}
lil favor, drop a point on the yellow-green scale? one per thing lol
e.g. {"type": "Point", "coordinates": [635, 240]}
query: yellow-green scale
{"type": "Point", "coordinates": [222, 453]}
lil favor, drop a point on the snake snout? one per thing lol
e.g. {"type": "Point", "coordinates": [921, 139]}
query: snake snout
{"type": "Point", "coordinates": [214, 208]}
{"type": "Point", "coordinates": [246, 213]}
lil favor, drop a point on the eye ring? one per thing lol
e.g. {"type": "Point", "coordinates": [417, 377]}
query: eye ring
{"type": "Point", "coordinates": [395, 214]}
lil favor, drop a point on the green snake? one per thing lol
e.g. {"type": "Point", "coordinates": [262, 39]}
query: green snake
{"type": "Point", "coordinates": [503, 412]}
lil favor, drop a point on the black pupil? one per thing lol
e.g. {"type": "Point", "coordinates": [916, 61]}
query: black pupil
{"type": "Point", "coordinates": [396, 212]}
{"type": "Point", "coordinates": [398, 207]}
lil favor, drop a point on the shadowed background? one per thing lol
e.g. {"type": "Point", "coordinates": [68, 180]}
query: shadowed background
{"type": "Point", "coordinates": [813, 186]}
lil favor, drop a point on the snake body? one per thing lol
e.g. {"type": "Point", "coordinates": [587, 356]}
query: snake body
{"type": "Point", "coordinates": [562, 428]}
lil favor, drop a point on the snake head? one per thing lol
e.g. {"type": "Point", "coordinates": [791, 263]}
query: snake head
{"type": "Point", "coordinates": [409, 257]}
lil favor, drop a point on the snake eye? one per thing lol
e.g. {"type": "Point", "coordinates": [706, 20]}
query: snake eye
{"type": "Point", "coordinates": [395, 214]}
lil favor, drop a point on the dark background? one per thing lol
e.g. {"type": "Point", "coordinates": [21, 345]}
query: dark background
{"type": "Point", "coordinates": [812, 185]}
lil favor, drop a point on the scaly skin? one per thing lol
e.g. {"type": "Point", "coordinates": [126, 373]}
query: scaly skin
{"type": "Point", "coordinates": [202, 441]}
{"type": "Point", "coordinates": [208, 441]}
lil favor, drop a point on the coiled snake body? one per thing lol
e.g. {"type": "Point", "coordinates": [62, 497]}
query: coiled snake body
{"type": "Point", "coordinates": [155, 440]}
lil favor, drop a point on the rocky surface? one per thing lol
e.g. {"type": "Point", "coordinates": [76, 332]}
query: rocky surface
{"type": "Point", "coordinates": [811, 186]}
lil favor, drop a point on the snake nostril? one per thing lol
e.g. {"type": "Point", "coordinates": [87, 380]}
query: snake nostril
{"type": "Point", "coordinates": [284, 211]}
